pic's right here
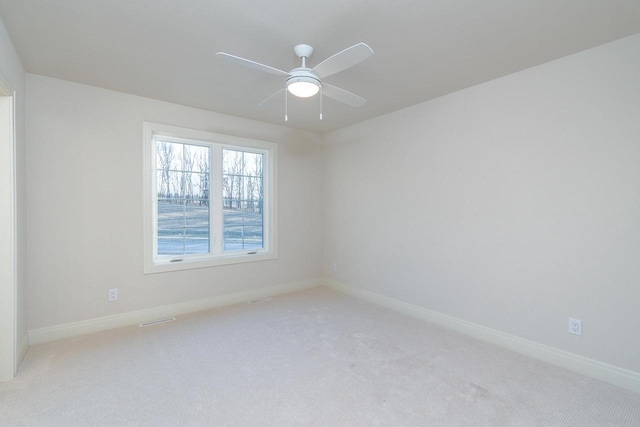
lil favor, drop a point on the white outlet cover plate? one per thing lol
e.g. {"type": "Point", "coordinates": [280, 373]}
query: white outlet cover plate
{"type": "Point", "coordinates": [575, 326]}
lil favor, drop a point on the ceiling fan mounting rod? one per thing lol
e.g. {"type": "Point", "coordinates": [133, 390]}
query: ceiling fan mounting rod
{"type": "Point", "coordinates": [304, 52]}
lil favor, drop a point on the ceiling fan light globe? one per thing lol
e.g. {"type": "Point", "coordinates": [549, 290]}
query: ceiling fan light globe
{"type": "Point", "coordinates": [303, 87]}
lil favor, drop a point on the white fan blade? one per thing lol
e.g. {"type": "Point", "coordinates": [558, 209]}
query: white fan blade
{"type": "Point", "coordinates": [264, 101]}
{"type": "Point", "coordinates": [343, 60]}
{"type": "Point", "coordinates": [342, 95]}
{"type": "Point", "coordinates": [252, 64]}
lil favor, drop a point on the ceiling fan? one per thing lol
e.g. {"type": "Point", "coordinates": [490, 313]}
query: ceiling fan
{"type": "Point", "coordinates": [305, 82]}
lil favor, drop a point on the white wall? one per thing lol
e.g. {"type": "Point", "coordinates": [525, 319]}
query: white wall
{"type": "Point", "coordinates": [514, 204]}
{"type": "Point", "coordinates": [12, 78]}
{"type": "Point", "coordinates": [85, 188]}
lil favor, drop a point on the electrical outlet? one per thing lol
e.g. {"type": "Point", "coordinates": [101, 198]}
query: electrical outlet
{"type": "Point", "coordinates": [575, 326]}
{"type": "Point", "coordinates": [113, 294]}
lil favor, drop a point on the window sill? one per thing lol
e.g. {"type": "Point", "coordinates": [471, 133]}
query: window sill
{"type": "Point", "coordinates": [164, 266]}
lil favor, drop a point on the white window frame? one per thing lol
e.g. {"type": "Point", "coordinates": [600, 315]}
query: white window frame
{"type": "Point", "coordinates": [158, 264]}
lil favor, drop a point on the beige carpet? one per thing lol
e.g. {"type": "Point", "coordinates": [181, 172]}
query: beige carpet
{"type": "Point", "coordinates": [311, 358]}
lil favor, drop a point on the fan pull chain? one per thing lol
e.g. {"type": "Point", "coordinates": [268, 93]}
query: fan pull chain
{"type": "Point", "coordinates": [320, 102]}
{"type": "Point", "coordinates": [286, 106]}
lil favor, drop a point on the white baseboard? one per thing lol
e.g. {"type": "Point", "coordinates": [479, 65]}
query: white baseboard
{"type": "Point", "coordinates": [52, 333]}
{"type": "Point", "coordinates": [620, 377]}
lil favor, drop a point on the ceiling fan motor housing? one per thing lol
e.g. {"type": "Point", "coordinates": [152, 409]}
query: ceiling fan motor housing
{"type": "Point", "coordinates": [303, 82]}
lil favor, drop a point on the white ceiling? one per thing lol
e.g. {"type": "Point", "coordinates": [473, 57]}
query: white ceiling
{"type": "Point", "coordinates": [165, 49]}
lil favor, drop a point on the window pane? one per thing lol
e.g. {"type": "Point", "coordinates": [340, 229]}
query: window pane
{"type": "Point", "coordinates": [253, 237]}
{"type": "Point", "coordinates": [232, 238]}
{"type": "Point", "coordinates": [182, 185]}
{"type": "Point", "coordinates": [196, 240]}
{"type": "Point", "coordinates": [195, 186]}
{"type": "Point", "coordinates": [170, 245]}
{"type": "Point", "coordinates": [169, 155]}
{"type": "Point", "coordinates": [196, 214]}
{"type": "Point", "coordinates": [169, 184]}
{"type": "Point", "coordinates": [242, 200]}
{"type": "Point", "coordinates": [170, 214]}
{"type": "Point", "coordinates": [252, 219]}
{"type": "Point", "coordinates": [232, 162]}
{"type": "Point", "coordinates": [196, 158]}
{"type": "Point", "coordinates": [253, 164]}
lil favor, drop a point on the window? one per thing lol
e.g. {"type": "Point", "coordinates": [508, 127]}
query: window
{"type": "Point", "coordinates": [209, 199]}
